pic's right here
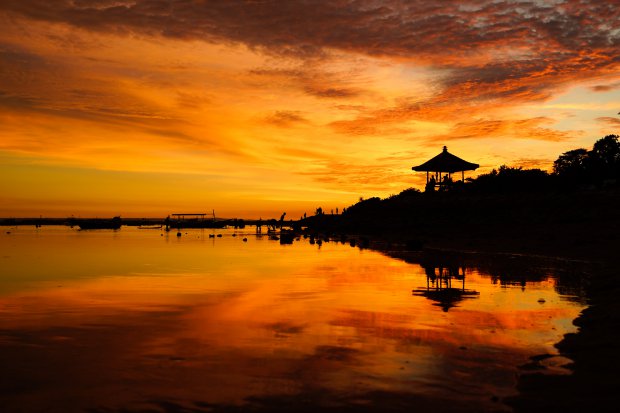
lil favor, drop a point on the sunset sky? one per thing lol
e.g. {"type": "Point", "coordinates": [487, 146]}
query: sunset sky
{"type": "Point", "coordinates": [253, 108]}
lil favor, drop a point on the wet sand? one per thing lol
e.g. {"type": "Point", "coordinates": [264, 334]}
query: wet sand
{"type": "Point", "coordinates": [594, 350]}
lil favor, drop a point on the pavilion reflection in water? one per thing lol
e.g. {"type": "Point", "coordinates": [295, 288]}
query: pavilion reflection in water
{"type": "Point", "coordinates": [440, 286]}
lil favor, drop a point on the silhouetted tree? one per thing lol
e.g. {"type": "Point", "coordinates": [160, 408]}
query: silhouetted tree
{"type": "Point", "coordinates": [595, 167]}
{"type": "Point", "coordinates": [507, 179]}
{"type": "Point", "coordinates": [572, 165]}
{"type": "Point", "coordinates": [605, 159]}
{"type": "Point", "coordinates": [607, 150]}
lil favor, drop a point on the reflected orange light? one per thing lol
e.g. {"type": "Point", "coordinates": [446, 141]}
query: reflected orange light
{"type": "Point", "coordinates": [258, 318]}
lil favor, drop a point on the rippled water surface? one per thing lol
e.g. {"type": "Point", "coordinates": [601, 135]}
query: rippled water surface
{"type": "Point", "coordinates": [142, 320]}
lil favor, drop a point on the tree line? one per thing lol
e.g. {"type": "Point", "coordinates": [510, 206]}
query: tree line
{"type": "Point", "coordinates": [574, 169]}
{"type": "Point", "coordinates": [577, 169]}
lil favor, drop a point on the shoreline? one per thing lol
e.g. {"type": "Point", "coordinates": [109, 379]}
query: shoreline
{"type": "Point", "coordinates": [593, 349]}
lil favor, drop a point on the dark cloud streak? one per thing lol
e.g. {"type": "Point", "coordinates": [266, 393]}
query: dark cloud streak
{"type": "Point", "coordinates": [501, 51]}
{"type": "Point", "coordinates": [609, 121]}
{"type": "Point", "coordinates": [286, 118]}
{"type": "Point", "coordinates": [606, 87]}
{"type": "Point", "coordinates": [392, 27]}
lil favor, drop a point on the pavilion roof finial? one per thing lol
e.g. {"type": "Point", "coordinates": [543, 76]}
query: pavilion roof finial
{"type": "Point", "coordinates": [445, 149]}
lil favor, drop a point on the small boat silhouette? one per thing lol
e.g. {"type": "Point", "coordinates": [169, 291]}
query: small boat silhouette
{"type": "Point", "coordinates": [99, 223]}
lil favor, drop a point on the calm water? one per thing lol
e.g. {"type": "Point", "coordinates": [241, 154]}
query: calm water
{"type": "Point", "coordinates": [139, 320]}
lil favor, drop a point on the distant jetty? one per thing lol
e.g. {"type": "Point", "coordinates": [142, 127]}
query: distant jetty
{"type": "Point", "coordinates": [193, 220]}
{"type": "Point", "coordinates": [148, 222]}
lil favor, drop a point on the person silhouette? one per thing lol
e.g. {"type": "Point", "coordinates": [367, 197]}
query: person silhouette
{"type": "Point", "coordinates": [282, 219]}
{"type": "Point", "coordinates": [430, 185]}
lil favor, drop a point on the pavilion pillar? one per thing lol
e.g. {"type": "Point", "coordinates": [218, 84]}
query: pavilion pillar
{"type": "Point", "coordinates": [463, 176]}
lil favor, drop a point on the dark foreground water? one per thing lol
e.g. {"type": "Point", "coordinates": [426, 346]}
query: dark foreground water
{"type": "Point", "coordinates": [139, 320]}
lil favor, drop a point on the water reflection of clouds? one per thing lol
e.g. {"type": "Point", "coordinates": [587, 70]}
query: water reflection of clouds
{"type": "Point", "coordinates": [337, 329]}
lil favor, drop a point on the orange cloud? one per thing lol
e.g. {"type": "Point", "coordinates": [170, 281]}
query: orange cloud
{"type": "Point", "coordinates": [609, 121]}
{"type": "Point", "coordinates": [519, 128]}
{"type": "Point", "coordinates": [286, 118]}
{"type": "Point", "coordinates": [331, 98]}
{"type": "Point", "coordinates": [606, 88]}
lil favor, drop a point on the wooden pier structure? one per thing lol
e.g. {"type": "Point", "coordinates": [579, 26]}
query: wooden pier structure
{"type": "Point", "coordinates": [193, 220]}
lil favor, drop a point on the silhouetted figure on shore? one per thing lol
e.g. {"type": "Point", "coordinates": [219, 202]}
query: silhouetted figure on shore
{"type": "Point", "coordinates": [430, 185]}
{"type": "Point", "coordinates": [282, 220]}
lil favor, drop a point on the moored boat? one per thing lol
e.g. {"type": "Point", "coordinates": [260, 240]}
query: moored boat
{"type": "Point", "coordinates": [99, 223]}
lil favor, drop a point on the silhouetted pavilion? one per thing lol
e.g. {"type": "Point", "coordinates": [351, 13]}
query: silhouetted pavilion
{"type": "Point", "coordinates": [447, 163]}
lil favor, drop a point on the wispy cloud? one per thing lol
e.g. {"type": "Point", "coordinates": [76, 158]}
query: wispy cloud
{"type": "Point", "coordinates": [380, 176]}
{"type": "Point", "coordinates": [286, 118]}
{"type": "Point", "coordinates": [609, 121]}
{"type": "Point", "coordinates": [331, 92]}
{"type": "Point", "coordinates": [514, 128]}
{"type": "Point", "coordinates": [533, 163]}
{"type": "Point", "coordinates": [606, 87]}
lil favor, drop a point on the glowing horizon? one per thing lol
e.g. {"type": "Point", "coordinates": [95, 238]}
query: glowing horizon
{"type": "Point", "coordinates": [145, 108]}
